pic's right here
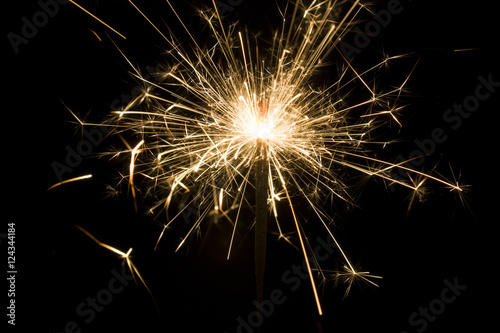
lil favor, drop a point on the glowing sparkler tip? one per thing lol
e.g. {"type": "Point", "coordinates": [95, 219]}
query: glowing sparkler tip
{"type": "Point", "coordinates": [263, 132]}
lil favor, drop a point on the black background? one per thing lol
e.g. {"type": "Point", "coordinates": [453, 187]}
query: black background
{"type": "Point", "coordinates": [197, 289]}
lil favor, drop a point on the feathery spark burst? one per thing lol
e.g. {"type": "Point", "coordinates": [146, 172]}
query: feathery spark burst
{"type": "Point", "coordinates": [133, 269]}
{"type": "Point", "coordinates": [203, 126]}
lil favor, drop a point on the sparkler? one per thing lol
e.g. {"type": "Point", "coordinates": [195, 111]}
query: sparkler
{"type": "Point", "coordinates": [221, 114]}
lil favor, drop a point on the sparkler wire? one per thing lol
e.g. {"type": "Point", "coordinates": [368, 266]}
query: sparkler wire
{"type": "Point", "coordinates": [261, 208]}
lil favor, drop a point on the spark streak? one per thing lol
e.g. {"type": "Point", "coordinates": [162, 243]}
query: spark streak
{"type": "Point", "coordinates": [70, 180]}
{"type": "Point", "coordinates": [98, 19]}
{"type": "Point", "coordinates": [133, 154]}
{"type": "Point", "coordinates": [124, 255]}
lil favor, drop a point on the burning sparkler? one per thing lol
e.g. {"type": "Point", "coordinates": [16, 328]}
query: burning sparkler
{"type": "Point", "coordinates": [233, 119]}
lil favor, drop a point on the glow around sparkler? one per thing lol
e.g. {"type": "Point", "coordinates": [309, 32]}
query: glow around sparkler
{"type": "Point", "coordinates": [216, 111]}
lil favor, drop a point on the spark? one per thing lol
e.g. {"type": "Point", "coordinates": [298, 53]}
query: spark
{"type": "Point", "coordinates": [350, 277]}
{"type": "Point", "coordinates": [133, 154]}
{"type": "Point", "coordinates": [125, 255]}
{"type": "Point", "coordinates": [205, 121]}
{"type": "Point", "coordinates": [98, 19]}
{"type": "Point", "coordinates": [70, 180]}
{"type": "Point", "coordinates": [96, 35]}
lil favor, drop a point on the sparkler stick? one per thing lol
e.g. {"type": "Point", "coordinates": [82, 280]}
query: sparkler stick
{"type": "Point", "coordinates": [261, 188]}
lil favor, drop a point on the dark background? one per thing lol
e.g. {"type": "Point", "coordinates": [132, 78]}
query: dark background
{"type": "Point", "coordinates": [197, 289]}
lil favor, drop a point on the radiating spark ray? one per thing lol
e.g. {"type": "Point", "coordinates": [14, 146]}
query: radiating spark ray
{"type": "Point", "coordinates": [125, 256]}
{"type": "Point", "coordinates": [96, 35]}
{"type": "Point", "coordinates": [309, 271]}
{"type": "Point", "coordinates": [149, 21]}
{"type": "Point", "coordinates": [69, 181]}
{"type": "Point", "coordinates": [98, 19]}
{"type": "Point", "coordinates": [400, 166]}
{"type": "Point", "coordinates": [133, 155]}
{"type": "Point", "coordinates": [237, 215]}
